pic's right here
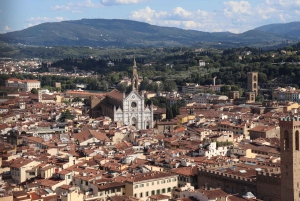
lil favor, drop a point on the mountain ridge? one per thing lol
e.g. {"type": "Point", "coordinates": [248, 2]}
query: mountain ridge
{"type": "Point", "coordinates": [128, 33]}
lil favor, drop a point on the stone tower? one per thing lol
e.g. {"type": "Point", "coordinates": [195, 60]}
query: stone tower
{"type": "Point", "coordinates": [40, 96]}
{"type": "Point", "coordinates": [290, 158]}
{"type": "Point", "coordinates": [252, 82]}
{"type": "Point", "coordinates": [135, 77]}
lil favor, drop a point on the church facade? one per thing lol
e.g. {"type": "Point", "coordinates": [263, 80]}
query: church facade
{"type": "Point", "coordinates": [129, 109]}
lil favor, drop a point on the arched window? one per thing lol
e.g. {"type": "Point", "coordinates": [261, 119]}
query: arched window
{"type": "Point", "coordinates": [133, 121]}
{"type": "Point", "coordinates": [254, 78]}
{"type": "Point", "coordinates": [286, 142]}
{"type": "Point", "coordinates": [254, 85]}
{"type": "Point", "coordinates": [297, 140]}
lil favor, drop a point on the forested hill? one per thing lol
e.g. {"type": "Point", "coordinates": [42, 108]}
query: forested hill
{"type": "Point", "coordinates": [127, 33]}
{"type": "Point", "coordinates": [288, 29]}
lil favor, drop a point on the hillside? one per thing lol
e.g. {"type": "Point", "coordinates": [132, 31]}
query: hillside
{"type": "Point", "coordinates": [127, 33]}
{"type": "Point", "coordinates": [289, 29]}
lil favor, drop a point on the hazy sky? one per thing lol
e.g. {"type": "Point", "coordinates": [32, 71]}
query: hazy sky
{"type": "Point", "coordinates": [205, 15]}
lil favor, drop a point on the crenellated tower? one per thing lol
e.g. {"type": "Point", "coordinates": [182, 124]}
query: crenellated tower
{"type": "Point", "coordinates": [290, 158]}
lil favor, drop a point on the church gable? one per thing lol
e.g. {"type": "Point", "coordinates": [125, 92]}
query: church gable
{"type": "Point", "coordinates": [133, 95]}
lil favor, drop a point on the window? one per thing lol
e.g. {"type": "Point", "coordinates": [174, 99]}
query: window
{"type": "Point", "coordinates": [157, 191]}
{"type": "Point", "coordinates": [112, 190]}
{"type": "Point", "coordinates": [136, 186]}
{"type": "Point", "coordinates": [135, 195]}
{"type": "Point", "coordinates": [152, 192]}
{"type": "Point", "coordinates": [162, 181]}
{"type": "Point", "coordinates": [157, 182]}
{"type": "Point", "coordinates": [118, 190]}
{"type": "Point", "coordinates": [297, 140]}
{"type": "Point", "coordinates": [286, 140]}
{"type": "Point", "coordinates": [163, 190]}
{"type": "Point", "coordinates": [141, 185]}
{"type": "Point", "coordinates": [69, 176]}
{"type": "Point", "coordinates": [147, 194]}
{"type": "Point", "coordinates": [169, 190]}
{"type": "Point", "coordinates": [141, 195]}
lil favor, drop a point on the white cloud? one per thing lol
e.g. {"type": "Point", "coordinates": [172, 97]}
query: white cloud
{"type": "Point", "coordinates": [6, 29]}
{"type": "Point", "coordinates": [120, 2]}
{"type": "Point", "coordinates": [232, 8]}
{"type": "Point", "coordinates": [77, 7]}
{"type": "Point", "coordinates": [38, 20]}
{"type": "Point", "coordinates": [178, 17]}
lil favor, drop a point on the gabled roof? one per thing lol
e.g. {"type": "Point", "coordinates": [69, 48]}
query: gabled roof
{"type": "Point", "coordinates": [115, 94]}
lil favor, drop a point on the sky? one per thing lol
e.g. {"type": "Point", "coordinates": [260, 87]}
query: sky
{"type": "Point", "coordinates": [235, 16]}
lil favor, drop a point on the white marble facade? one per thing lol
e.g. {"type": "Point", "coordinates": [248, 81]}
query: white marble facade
{"type": "Point", "coordinates": [134, 112]}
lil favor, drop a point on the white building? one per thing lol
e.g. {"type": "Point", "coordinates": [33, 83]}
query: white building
{"type": "Point", "coordinates": [212, 150]}
{"type": "Point", "coordinates": [201, 63]}
{"type": "Point", "coordinates": [25, 85]}
{"type": "Point", "coordinates": [207, 98]}
{"type": "Point", "coordinates": [129, 109]}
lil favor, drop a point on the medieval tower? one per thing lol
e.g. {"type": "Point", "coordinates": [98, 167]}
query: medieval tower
{"type": "Point", "coordinates": [40, 96]}
{"type": "Point", "coordinates": [252, 82]}
{"type": "Point", "coordinates": [290, 158]}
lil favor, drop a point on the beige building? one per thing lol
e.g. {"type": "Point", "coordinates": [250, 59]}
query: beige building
{"type": "Point", "coordinates": [18, 169]}
{"type": "Point", "coordinates": [236, 128]}
{"type": "Point", "coordinates": [25, 85]}
{"type": "Point", "coordinates": [264, 132]}
{"type": "Point", "coordinates": [148, 184]}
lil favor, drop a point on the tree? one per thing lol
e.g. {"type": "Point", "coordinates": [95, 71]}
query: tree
{"type": "Point", "coordinates": [66, 115]}
{"type": "Point", "coordinates": [170, 85]}
{"type": "Point", "coordinates": [122, 87]}
{"type": "Point", "coordinates": [169, 113]}
{"type": "Point", "coordinates": [77, 99]}
{"type": "Point", "coordinates": [34, 91]}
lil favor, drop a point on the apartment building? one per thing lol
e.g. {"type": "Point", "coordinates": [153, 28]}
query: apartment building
{"type": "Point", "coordinates": [145, 185]}
{"type": "Point", "coordinates": [25, 85]}
{"type": "Point", "coordinates": [19, 167]}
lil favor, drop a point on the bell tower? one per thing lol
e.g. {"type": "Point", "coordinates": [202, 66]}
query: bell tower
{"type": "Point", "coordinates": [40, 96]}
{"type": "Point", "coordinates": [252, 82]}
{"type": "Point", "coordinates": [135, 77]}
{"type": "Point", "coordinates": [290, 158]}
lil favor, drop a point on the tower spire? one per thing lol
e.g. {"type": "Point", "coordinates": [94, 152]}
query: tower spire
{"type": "Point", "coordinates": [134, 62]}
{"type": "Point", "coordinates": [135, 77]}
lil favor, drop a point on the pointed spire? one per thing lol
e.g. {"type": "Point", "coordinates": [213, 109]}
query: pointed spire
{"type": "Point", "coordinates": [134, 62]}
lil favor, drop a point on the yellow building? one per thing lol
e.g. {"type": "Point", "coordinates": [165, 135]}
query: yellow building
{"type": "Point", "coordinates": [184, 119]}
{"type": "Point", "coordinates": [148, 184]}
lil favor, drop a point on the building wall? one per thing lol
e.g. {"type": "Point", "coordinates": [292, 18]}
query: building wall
{"type": "Point", "coordinates": [156, 186]}
{"type": "Point", "coordinates": [19, 174]}
{"type": "Point", "coordinates": [73, 196]}
{"type": "Point", "coordinates": [268, 187]}
{"type": "Point", "coordinates": [226, 183]}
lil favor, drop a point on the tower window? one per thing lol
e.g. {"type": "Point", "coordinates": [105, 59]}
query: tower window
{"type": "Point", "coordinates": [297, 140]}
{"type": "Point", "coordinates": [286, 140]}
